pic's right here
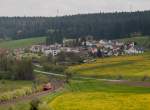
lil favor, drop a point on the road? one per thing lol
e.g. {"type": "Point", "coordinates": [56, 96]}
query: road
{"type": "Point", "coordinates": [48, 73]}
{"type": "Point", "coordinates": [127, 82]}
{"type": "Point", "coordinates": [81, 77]}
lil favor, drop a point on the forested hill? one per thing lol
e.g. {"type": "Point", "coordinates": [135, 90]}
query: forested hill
{"type": "Point", "coordinates": [101, 25]}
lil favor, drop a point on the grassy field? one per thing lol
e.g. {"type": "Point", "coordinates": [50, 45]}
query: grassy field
{"type": "Point", "coordinates": [25, 105]}
{"type": "Point", "coordinates": [21, 43]}
{"type": "Point", "coordinates": [10, 86]}
{"type": "Point", "coordinates": [97, 95]}
{"type": "Point", "coordinates": [114, 67]}
{"type": "Point", "coordinates": [93, 95]}
{"type": "Point", "coordinates": [7, 85]}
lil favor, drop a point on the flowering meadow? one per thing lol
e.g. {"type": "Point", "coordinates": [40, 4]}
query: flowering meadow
{"type": "Point", "coordinates": [113, 67]}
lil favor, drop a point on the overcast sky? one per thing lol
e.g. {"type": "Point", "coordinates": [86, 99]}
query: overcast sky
{"type": "Point", "coordinates": [68, 7]}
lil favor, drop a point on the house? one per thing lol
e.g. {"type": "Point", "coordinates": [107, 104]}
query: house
{"type": "Point", "coordinates": [53, 52]}
{"type": "Point", "coordinates": [131, 48]}
{"type": "Point", "coordinates": [103, 42]}
{"type": "Point", "coordinates": [70, 49]}
{"type": "Point", "coordinates": [46, 50]}
{"type": "Point", "coordinates": [3, 51]}
{"type": "Point", "coordinates": [35, 48]}
{"type": "Point", "coordinates": [69, 42]}
{"type": "Point", "coordinates": [92, 47]}
{"type": "Point", "coordinates": [87, 43]}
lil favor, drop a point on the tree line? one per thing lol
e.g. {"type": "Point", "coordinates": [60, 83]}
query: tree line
{"type": "Point", "coordinates": [100, 25]}
{"type": "Point", "coordinates": [11, 68]}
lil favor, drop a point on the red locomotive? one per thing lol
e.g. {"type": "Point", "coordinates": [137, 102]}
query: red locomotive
{"type": "Point", "coordinates": [47, 87]}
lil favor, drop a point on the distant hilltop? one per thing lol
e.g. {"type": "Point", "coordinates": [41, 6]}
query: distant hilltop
{"type": "Point", "coordinates": [100, 25]}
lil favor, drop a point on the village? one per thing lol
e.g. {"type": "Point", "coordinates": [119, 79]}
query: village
{"type": "Point", "coordinates": [75, 55]}
{"type": "Point", "coordinates": [86, 47]}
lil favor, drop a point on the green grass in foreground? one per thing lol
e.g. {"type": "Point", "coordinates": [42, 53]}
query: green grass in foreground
{"type": "Point", "coordinates": [126, 67]}
{"type": "Point", "coordinates": [143, 41]}
{"type": "Point", "coordinates": [94, 95]}
{"type": "Point", "coordinates": [97, 95]}
{"type": "Point", "coordinates": [23, 105]}
{"type": "Point", "coordinates": [22, 43]}
{"type": "Point", "coordinates": [7, 86]}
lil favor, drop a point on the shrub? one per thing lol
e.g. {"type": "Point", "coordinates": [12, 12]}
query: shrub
{"type": "Point", "coordinates": [144, 78]}
{"type": "Point", "coordinates": [120, 77]}
{"type": "Point", "coordinates": [11, 108]}
{"type": "Point", "coordinates": [6, 96]}
{"type": "Point", "coordinates": [38, 89]}
{"type": "Point", "coordinates": [41, 79]}
{"type": "Point", "coordinates": [68, 77]}
{"type": "Point", "coordinates": [54, 68]}
{"type": "Point", "coordinates": [3, 81]}
{"type": "Point", "coordinates": [43, 106]}
{"type": "Point", "coordinates": [34, 104]}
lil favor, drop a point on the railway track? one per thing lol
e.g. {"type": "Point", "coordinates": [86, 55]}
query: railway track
{"type": "Point", "coordinates": [55, 88]}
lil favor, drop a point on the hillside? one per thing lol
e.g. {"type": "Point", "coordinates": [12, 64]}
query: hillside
{"type": "Point", "coordinates": [100, 25]}
{"type": "Point", "coordinates": [97, 95]}
{"type": "Point", "coordinates": [143, 41]}
{"type": "Point", "coordinates": [92, 95]}
{"type": "Point", "coordinates": [122, 67]}
{"type": "Point", "coordinates": [11, 44]}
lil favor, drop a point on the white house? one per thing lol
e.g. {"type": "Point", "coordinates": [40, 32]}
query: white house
{"type": "Point", "coordinates": [54, 52]}
{"type": "Point", "coordinates": [133, 50]}
{"type": "Point", "coordinates": [35, 48]}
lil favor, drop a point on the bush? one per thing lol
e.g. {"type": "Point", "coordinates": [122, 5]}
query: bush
{"type": "Point", "coordinates": [24, 70]}
{"type": "Point", "coordinates": [54, 68]}
{"type": "Point", "coordinates": [6, 75]}
{"type": "Point", "coordinates": [43, 106]}
{"type": "Point", "coordinates": [144, 78]}
{"type": "Point", "coordinates": [41, 79]}
{"type": "Point", "coordinates": [120, 77]}
{"type": "Point", "coordinates": [3, 81]}
{"type": "Point", "coordinates": [11, 68]}
{"type": "Point", "coordinates": [38, 88]}
{"type": "Point", "coordinates": [68, 77]}
{"type": "Point", "coordinates": [11, 108]}
{"type": "Point", "coordinates": [34, 104]}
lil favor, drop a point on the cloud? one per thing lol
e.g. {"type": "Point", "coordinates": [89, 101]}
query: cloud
{"type": "Point", "coordinates": [67, 7]}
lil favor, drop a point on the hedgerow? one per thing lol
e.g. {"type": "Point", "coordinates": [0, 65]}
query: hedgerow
{"type": "Point", "coordinates": [25, 91]}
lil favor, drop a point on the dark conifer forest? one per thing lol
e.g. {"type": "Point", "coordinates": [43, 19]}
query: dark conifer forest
{"type": "Point", "coordinates": [100, 25]}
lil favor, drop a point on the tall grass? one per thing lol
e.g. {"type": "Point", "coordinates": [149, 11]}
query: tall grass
{"type": "Point", "coordinates": [18, 93]}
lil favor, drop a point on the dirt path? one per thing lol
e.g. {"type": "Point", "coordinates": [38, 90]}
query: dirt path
{"type": "Point", "coordinates": [130, 83]}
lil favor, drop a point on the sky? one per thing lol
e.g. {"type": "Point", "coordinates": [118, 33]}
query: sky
{"type": "Point", "coordinates": [68, 7]}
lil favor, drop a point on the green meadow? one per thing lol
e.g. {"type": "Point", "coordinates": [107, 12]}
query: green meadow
{"type": "Point", "coordinates": [143, 41]}
{"type": "Point", "coordinates": [98, 95]}
{"type": "Point", "coordinates": [92, 95]}
{"type": "Point", "coordinates": [12, 44]}
{"type": "Point", "coordinates": [84, 94]}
